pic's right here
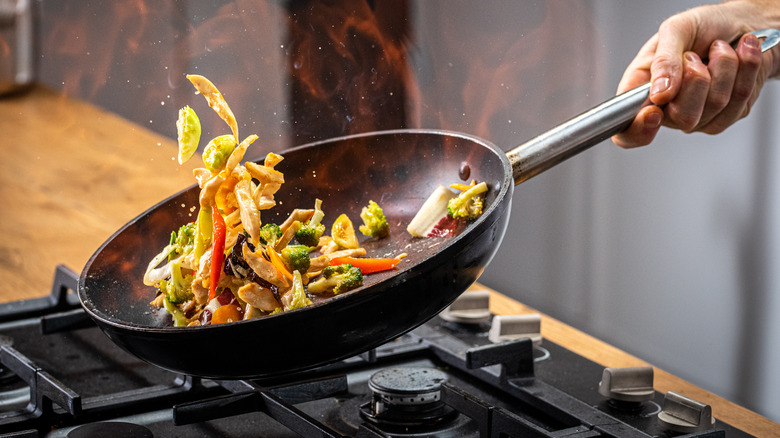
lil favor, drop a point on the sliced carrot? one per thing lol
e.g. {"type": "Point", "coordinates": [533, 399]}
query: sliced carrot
{"type": "Point", "coordinates": [278, 263]}
{"type": "Point", "coordinates": [226, 313]}
{"type": "Point", "coordinates": [366, 265]}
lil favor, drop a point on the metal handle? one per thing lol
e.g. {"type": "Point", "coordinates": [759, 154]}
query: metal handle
{"type": "Point", "coordinates": [591, 127]}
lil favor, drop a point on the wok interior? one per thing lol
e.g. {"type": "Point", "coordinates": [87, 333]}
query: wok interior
{"type": "Point", "coordinates": [397, 169]}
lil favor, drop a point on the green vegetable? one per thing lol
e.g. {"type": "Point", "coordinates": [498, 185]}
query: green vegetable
{"type": "Point", "coordinates": [374, 221]}
{"type": "Point", "coordinates": [182, 242]}
{"type": "Point", "coordinates": [203, 230]}
{"type": "Point", "coordinates": [179, 320]}
{"type": "Point", "coordinates": [343, 233]}
{"type": "Point", "coordinates": [188, 129]}
{"type": "Point", "coordinates": [299, 298]}
{"type": "Point", "coordinates": [269, 233]}
{"type": "Point", "coordinates": [177, 289]}
{"type": "Point", "coordinates": [309, 234]}
{"type": "Point", "coordinates": [339, 278]}
{"type": "Point", "coordinates": [296, 257]}
{"type": "Point", "coordinates": [467, 205]}
{"type": "Point", "coordinates": [217, 152]}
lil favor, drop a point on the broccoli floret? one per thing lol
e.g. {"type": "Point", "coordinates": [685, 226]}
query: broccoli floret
{"type": "Point", "coordinates": [374, 221]}
{"type": "Point", "coordinates": [183, 241]}
{"type": "Point", "coordinates": [468, 205]}
{"type": "Point", "coordinates": [269, 233]}
{"type": "Point", "coordinates": [340, 278]}
{"type": "Point", "coordinates": [177, 288]}
{"type": "Point", "coordinates": [309, 234]}
{"type": "Point", "coordinates": [298, 298]}
{"type": "Point", "coordinates": [296, 257]}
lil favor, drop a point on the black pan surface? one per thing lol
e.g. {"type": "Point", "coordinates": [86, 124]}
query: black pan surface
{"type": "Point", "coordinates": [397, 169]}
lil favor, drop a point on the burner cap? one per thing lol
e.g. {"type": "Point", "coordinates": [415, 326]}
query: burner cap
{"type": "Point", "coordinates": [113, 429]}
{"type": "Point", "coordinates": [408, 397]}
{"type": "Point", "coordinates": [408, 386]}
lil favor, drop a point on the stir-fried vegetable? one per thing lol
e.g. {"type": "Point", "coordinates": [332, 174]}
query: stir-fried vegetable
{"type": "Point", "coordinates": [468, 205]}
{"type": "Point", "coordinates": [188, 129]}
{"type": "Point", "coordinates": [367, 265]}
{"type": "Point", "coordinates": [343, 233]}
{"type": "Point", "coordinates": [309, 234]}
{"type": "Point", "coordinates": [374, 221]}
{"type": "Point", "coordinates": [337, 279]}
{"type": "Point", "coordinates": [218, 253]}
{"type": "Point", "coordinates": [228, 265]}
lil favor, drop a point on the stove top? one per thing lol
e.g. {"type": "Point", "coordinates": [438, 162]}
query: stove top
{"type": "Point", "coordinates": [451, 377]}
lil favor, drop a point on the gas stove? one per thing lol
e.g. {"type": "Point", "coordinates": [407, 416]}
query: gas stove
{"type": "Point", "coordinates": [464, 373]}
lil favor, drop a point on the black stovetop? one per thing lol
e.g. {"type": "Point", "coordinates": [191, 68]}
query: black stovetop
{"type": "Point", "coordinates": [83, 385]}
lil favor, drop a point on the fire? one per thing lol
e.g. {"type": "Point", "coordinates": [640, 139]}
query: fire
{"type": "Point", "coordinates": [296, 72]}
{"type": "Point", "coordinates": [349, 67]}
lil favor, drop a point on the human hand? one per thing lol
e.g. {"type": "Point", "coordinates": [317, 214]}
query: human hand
{"type": "Point", "coordinates": [694, 96]}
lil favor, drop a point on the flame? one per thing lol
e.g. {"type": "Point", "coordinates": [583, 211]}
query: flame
{"type": "Point", "coordinates": [295, 72]}
{"type": "Point", "coordinates": [349, 67]}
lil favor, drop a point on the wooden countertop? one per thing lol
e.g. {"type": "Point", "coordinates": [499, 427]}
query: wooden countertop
{"type": "Point", "coordinates": [71, 174]}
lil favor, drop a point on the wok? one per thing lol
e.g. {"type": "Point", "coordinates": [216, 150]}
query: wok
{"type": "Point", "coordinates": [398, 169]}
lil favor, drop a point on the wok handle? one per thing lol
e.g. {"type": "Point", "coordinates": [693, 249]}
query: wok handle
{"type": "Point", "coordinates": [591, 127]}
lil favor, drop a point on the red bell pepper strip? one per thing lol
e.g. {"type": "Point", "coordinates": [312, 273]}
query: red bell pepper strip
{"type": "Point", "coordinates": [218, 251]}
{"type": "Point", "coordinates": [366, 265]}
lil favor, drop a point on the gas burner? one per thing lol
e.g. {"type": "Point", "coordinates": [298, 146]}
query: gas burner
{"type": "Point", "coordinates": [407, 397]}
{"type": "Point", "coordinates": [115, 429]}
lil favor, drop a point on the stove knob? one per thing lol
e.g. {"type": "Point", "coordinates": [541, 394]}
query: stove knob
{"type": "Point", "coordinates": [511, 327]}
{"type": "Point", "coordinates": [630, 384]}
{"type": "Point", "coordinates": [471, 307]}
{"type": "Point", "coordinates": [685, 415]}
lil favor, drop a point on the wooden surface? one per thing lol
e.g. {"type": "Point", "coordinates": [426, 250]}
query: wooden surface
{"type": "Point", "coordinates": [72, 174]}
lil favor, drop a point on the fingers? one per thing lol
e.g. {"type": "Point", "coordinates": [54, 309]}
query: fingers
{"type": "Point", "coordinates": [675, 36]}
{"type": "Point", "coordinates": [687, 107]}
{"type": "Point", "coordinates": [642, 130]}
{"type": "Point", "coordinates": [723, 66]}
{"type": "Point", "coordinates": [638, 71]}
{"type": "Point", "coordinates": [744, 89]}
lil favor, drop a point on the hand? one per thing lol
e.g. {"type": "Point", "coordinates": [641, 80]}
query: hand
{"type": "Point", "coordinates": [696, 96]}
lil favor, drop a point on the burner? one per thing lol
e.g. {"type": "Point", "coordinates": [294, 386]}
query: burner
{"type": "Point", "coordinates": [113, 429]}
{"type": "Point", "coordinates": [407, 397]}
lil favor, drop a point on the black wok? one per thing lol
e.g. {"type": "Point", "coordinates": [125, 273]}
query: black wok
{"type": "Point", "coordinates": [398, 169]}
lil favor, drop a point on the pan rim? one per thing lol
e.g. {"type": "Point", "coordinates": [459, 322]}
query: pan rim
{"type": "Point", "coordinates": [506, 185]}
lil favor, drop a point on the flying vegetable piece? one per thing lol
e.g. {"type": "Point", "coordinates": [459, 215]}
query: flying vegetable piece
{"type": "Point", "coordinates": [217, 152]}
{"type": "Point", "coordinates": [374, 221]}
{"type": "Point", "coordinates": [269, 233]}
{"type": "Point", "coordinates": [467, 205]}
{"type": "Point", "coordinates": [215, 101]}
{"type": "Point", "coordinates": [296, 257]}
{"type": "Point", "coordinates": [340, 278]}
{"type": "Point", "coordinates": [188, 130]}
{"type": "Point", "coordinates": [309, 234]}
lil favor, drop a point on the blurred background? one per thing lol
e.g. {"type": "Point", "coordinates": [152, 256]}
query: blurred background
{"type": "Point", "coordinates": [670, 252]}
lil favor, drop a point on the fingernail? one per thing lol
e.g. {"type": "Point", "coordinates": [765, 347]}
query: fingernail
{"type": "Point", "coordinates": [660, 85]}
{"type": "Point", "coordinates": [653, 120]}
{"type": "Point", "coordinates": [691, 57]}
{"type": "Point", "coordinates": [752, 41]}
